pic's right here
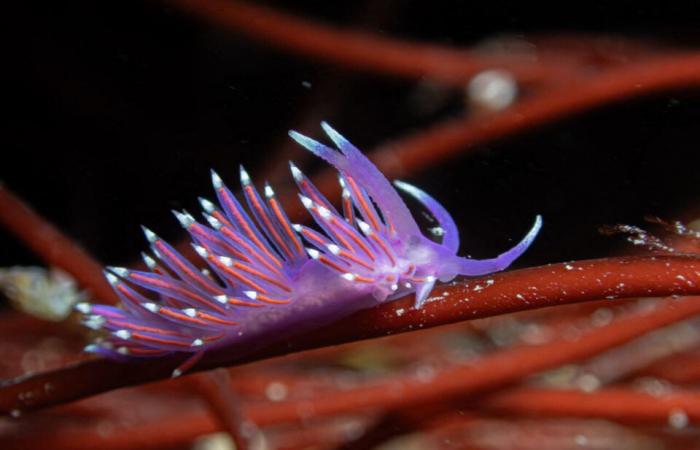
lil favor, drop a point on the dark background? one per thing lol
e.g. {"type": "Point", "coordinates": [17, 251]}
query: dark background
{"type": "Point", "coordinates": [117, 109]}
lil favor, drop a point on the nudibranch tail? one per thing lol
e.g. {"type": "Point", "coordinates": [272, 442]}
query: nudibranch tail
{"type": "Point", "coordinates": [475, 267]}
{"type": "Point", "coordinates": [261, 277]}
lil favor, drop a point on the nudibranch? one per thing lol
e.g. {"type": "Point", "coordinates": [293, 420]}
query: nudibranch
{"type": "Point", "coordinates": [264, 276]}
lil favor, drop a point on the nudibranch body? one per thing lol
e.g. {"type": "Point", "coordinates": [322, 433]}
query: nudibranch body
{"type": "Point", "coordinates": [266, 278]}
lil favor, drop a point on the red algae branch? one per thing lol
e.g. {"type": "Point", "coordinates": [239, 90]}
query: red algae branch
{"type": "Point", "coordinates": [468, 299]}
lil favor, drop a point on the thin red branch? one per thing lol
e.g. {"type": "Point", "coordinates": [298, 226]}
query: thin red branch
{"type": "Point", "coordinates": [618, 404]}
{"type": "Point", "coordinates": [499, 294]}
{"type": "Point", "coordinates": [215, 387]}
{"type": "Point", "coordinates": [52, 246]}
{"type": "Point", "coordinates": [361, 50]}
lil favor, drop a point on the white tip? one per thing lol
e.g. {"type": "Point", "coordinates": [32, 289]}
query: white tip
{"type": "Point", "coordinates": [185, 219]}
{"type": "Point", "coordinates": [269, 193]}
{"type": "Point", "coordinates": [226, 261]}
{"type": "Point", "coordinates": [111, 278]}
{"type": "Point", "coordinates": [123, 350]}
{"type": "Point", "coordinates": [176, 373]}
{"type": "Point", "coordinates": [122, 334]}
{"type": "Point", "coordinates": [251, 294]}
{"type": "Point", "coordinates": [119, 271]}
{"type": "Point", "coordinates": [296, 173]}
{"type": "Point", "coordinates": [83, 307]}
{"type": "Point", "coordinates": [341, 180]}
{"type": "Point", "coordinates": [298, 228]}
{"type": "Point", "coordinates": [306, 201]}
{"type": "Point", "coordinates": [313, 253]}
{"type": "Point", "coordinates": [245, 178]}
{"type": "Point", "coordinates": [394, 287]}
{"type": "Point", "coordinates": [216, 180]}
{"type": "Point", "coordinates": [201, 251]}
{"type": "Point", "coordinates": [430, 279]}
{"type": "Point", "coordinates": [150, 235]}
{"type": "Point", "coordinates": [150, 262]}
{"type": "Point", "coordinates": [324, 212]}
{"type": "Point", "coordinates": [213, 221]}
{"type": "Point", "coordinates": [223, 299]}
{"type": "Point", "coordinates": [349, 276]}
{"type": "Point", "coordinates": [206, 205]}
{"type": "Point", "coordinates": [190, 312]}
{"type": "Point", "coordinates": [91, 348]}
{"type": "Point", "coordinates": [364, 227]}
{"type": "Point", "coordinates": [94, 322]}
{"type": "Point", "coordinates": [333, 249]}
{"type": "Point", "coordinates": [152, 307]}
{"type": "Point", "coordinates": [346, 193]}
{"type": "Point", "coordinates": [197, 343]}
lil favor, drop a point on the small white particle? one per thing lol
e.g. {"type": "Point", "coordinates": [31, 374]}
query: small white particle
{"type": "Point", "coordinates": [197, 343]}
{"type": "Point", "coordinates": [223, 299]}
{"type": "Point", "coordinates": [190, 312]}
{"type": "Point", "coordinates": [313, 253]}
{"type": "Point", "coordinates": [251, 294]}
{"type": "Point", "coordinates": [269, 193]}
{"type": "Point", "coordinates": [400, 312]}
{"type": "Point", "coordinates": [568, 267]}
{"type": "Point", "coordinates": [276, 391]}
{"type": "Point", "coordinates": [678, 419]}
{"type": "Point", "coordinates": [333, 249]}
{"type": "Point", "coordinates": [349, 276]}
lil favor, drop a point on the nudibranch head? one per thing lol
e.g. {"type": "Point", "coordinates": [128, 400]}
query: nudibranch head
{"type": "Point", "coordinates": [263, 276]}
{"type": "Point", "coordinates": [420, 261]}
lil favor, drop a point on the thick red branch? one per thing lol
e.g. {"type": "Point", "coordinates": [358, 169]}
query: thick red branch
{"type": "Point", "coordinates": [469, 299]}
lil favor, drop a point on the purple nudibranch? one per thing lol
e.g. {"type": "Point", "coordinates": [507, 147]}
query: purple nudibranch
{"type": "Point", "coordinates": [265, 276]}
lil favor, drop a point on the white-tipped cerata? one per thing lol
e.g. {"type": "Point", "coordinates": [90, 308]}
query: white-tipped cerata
{"type": "Point", "coordinates": [150, 235]}
{"type": "Point", "coordinates": [306, 201]}
{"type": "Point", "coordinates": [216, 180]}
{"type": "Point", "coordinates": [296, 173]}
{"type": "Point", "coordinates": [185, 219]}
{"type": "Point", "coordinates": [122, 334]}
{"type": "Point", "coordinates": [83, 307]}
{"type": "Point", "coordinates": [245, 178]}
{"type": "Point", "coordinates": [119, 271]}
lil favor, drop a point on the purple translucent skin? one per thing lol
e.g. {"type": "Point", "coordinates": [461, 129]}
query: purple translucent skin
{"type": "Point", "coordinates": [262, 283]}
